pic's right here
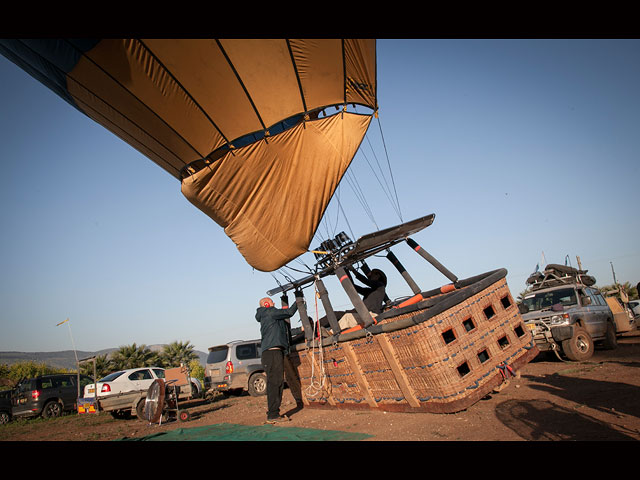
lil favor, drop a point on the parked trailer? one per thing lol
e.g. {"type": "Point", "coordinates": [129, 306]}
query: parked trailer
{"type": "Point", "coordinates": [118, 404]}
{"type": "Point", "coordinates": [132, 403]}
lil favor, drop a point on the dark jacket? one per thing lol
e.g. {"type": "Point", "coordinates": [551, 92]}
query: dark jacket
{"type": "Point", "coordinates": [373, 296]}
{"type": "Point", "coordinates": [274, 328]}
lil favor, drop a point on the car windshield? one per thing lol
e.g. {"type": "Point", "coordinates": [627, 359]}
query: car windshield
{"type": "Point", "coordinates": [111, 377]}
{"type": "Point", "coordinates": [542, 300]}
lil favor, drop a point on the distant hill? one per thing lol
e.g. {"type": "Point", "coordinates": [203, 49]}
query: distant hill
{"type": "Point", "coordinates": [67, 358]}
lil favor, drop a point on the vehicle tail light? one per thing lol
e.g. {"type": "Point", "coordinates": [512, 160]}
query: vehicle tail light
{"type": "Point", "coordinates": [35, 394]}
{"type": "Point", "coordinates": [105, 388]}
{"type": "Point", "coordinates": [229, 368]}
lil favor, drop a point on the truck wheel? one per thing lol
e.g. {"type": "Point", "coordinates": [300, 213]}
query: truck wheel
{"type": "Point", "coordinates": [257, 384]}
{"type": "Point", "coordinates": [579, 347]}
{"type": "Point", "coordinates": [610, 341]}
{"type": "Point", "coordinates": [184, 416]}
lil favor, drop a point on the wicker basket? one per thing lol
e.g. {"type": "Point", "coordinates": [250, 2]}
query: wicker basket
{"type": "Point", "coordinates": [440, 355]}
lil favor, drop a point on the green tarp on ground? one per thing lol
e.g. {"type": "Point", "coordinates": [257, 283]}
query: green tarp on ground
{"type": "Point", "coordinates": [231, 432]}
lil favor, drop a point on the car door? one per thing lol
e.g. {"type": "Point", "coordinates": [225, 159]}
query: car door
{"type": "Point", "coordinates": [597, 320]}
{"type": "Point", "coordinates": [605, 311]}
{"type": "Point", "coordinates": [67, 389]}
{"type": "Point", "coordinates": [21, 398]}
{"type": "Point", "coordinates": [141, 379]}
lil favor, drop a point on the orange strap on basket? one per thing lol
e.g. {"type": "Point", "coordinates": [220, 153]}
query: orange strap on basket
{"type": "Point", "coordinates": [418, 297]}
{"type": "Point", "coordinates": [352, 329]}
{"type": "Point", "coordinates": [358, 327]}
{"type": "Point", "coordinates": [415, 299]}
{"type": "Point", "coordinates": [447, 288]}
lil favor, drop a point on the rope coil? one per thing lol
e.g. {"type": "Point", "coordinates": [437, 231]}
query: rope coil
{"type": "Point", "coordinates": [316, 386]}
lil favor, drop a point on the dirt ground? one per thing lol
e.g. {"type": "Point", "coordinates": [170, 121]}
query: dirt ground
{"type": "Point", "coordinates": [549, 400]}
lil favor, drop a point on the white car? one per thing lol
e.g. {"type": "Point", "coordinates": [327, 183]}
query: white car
{"type": "Point", "coordinates": [635, 307]}
{"type": "Point", "coordinates": [131, 380]}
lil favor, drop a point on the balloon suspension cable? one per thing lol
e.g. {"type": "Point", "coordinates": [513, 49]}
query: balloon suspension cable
{"type": "Point", "coordinates": [309, 272]}
{"type": "Point", "coordinates": [389, 190]}
{"type": "Point", "coordinates": [393, 183]}
{"type": "Point", "coordinates": [330, 232]}
{"type": "Point", "coordinates": [359, 194]}
{"type": "Point", "coordinates": [276, 279]}
{"type": "Point", "coordinates": [380, 173]}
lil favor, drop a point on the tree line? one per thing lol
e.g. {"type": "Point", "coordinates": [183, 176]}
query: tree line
{"type": "Point", "coordinates": [125, 357]}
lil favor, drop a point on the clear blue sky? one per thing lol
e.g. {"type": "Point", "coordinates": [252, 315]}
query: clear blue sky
{"type": "Point", "coordinates": [518, 146]}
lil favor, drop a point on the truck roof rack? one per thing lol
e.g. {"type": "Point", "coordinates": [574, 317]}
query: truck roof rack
{"type": "Point", "coordinates": [557, 275]}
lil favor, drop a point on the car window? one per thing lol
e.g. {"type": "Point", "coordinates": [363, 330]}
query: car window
{"type": "Point", "coordinates": [247, 351]}
{"type": "Point", "coordinates": [159, 372]}
{"type": "Point", "coordinates": [63, 382]}
{"type": "Point", "coordinates": [595, 298]}
{"type": "Point", "coordinates": [27, 385]}
{"type": "Point", "coordinates": [46, 383]}
{"type": "Point", "coordinates": [140, 375]}
{"type": "Point", "coordinates": [217, 354]}
{"type": "Point", "coordinates": [111, 377]}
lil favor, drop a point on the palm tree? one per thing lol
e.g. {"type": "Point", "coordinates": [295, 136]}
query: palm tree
{"type": "Point", "coordinates": [132, 356]}
{"type": "Point", "coordinates": [625, 287]}
{"type": "Point", "coordinates": [177, 353]}
{"type": "Point", "coordinates": [103, 367]}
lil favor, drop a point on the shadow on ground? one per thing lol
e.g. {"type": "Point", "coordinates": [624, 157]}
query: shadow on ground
{"type": "Point", "coordinates": [545, 420]}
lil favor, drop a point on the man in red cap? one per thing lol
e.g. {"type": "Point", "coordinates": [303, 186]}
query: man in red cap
{"type": "Point", "coordinates": [275, 334]}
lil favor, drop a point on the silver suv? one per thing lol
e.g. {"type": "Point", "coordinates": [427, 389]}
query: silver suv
{"type": "Point", "coordinates": [565, 315]}
{"type": "Point", "coordinates": [235, 367]}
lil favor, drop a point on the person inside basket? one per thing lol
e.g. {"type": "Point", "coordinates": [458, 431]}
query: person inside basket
{"type": "Point", "coordinates": [373, 297]}
{"type": "Point", "coordinates": [374, 293]}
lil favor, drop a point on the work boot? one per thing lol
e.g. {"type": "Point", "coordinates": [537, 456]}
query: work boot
{"type": "Point", "coordinates": [278, 419]}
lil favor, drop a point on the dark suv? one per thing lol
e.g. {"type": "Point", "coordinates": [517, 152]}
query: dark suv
{"type": "Point", "coordinates": [235, 367]}
{"type": "Point", "coordinates": [47, 395]}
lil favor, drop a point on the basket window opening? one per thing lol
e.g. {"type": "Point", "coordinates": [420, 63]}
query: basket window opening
{"type": "Point", "coordinates": [468, 324]}
{"type": "Point", "coordinates": [506, 302]}
{"type": "Point", "coordinates": [463, 369]}
{"type": "Point", "coordinates": [448, 336]}
{"type": "Point", "coordinates": [503, 342]}
{"type": "Point", "coordinates": [489, 312]}
{"type": "Point", "coordinates": [483, 356]}
{"type": "Point", "coordinates": [519, 331]}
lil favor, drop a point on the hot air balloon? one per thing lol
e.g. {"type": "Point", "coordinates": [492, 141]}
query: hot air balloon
{"type": "Point", "coordinates": [238, 122]}
{"type": "Point", "coordinates": [260, 133]}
